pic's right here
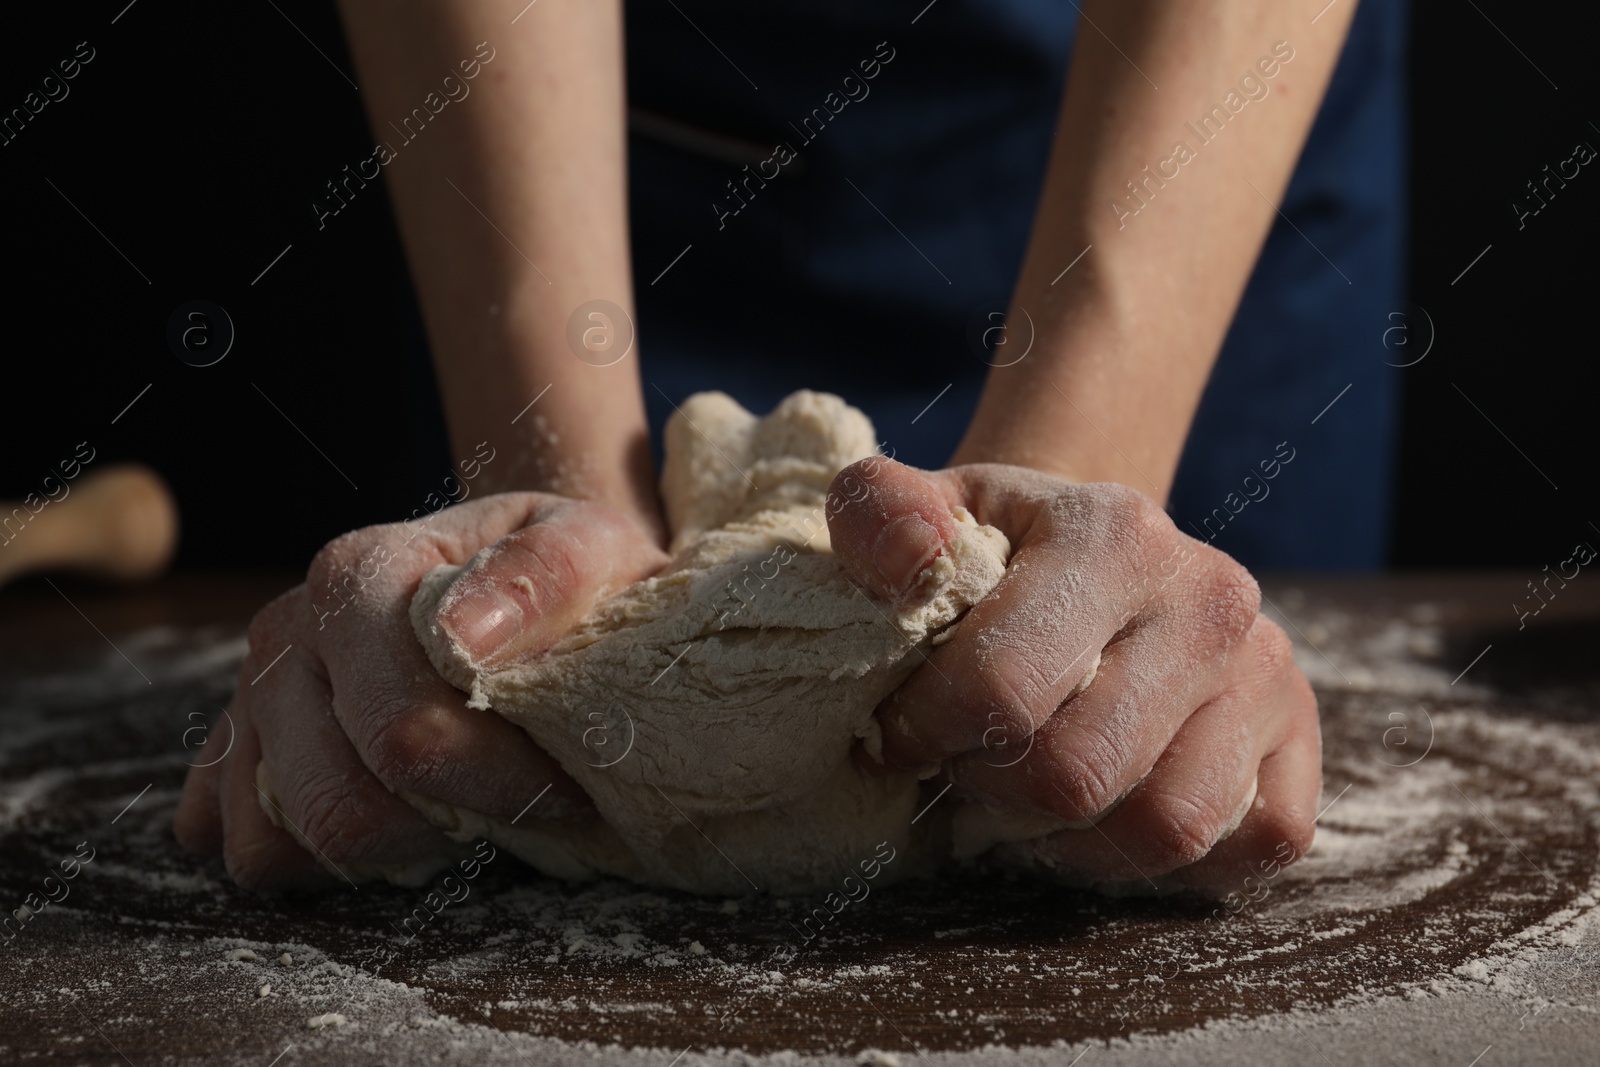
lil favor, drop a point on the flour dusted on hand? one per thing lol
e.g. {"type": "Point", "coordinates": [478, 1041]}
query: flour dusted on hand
{"type": "Point", "coordinates": [710, 711]}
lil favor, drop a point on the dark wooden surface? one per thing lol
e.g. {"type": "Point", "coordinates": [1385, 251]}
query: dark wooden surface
{"type": "Point", "coordinates": [1487, 840]}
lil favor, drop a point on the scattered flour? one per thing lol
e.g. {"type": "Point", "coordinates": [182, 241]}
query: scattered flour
{"type": "Point", "coordinates": [1449, 904]}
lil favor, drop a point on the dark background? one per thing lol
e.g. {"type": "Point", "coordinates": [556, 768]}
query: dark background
{"type": "Point", "coordinates": [198, 136]}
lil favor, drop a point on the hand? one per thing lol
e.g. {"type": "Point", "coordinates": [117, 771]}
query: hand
{"type": "Point", "coordinates": [1195, 701]}
{"type": "Point", "coordinates": [338, 702]}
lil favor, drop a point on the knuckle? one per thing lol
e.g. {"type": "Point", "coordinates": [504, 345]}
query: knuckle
{"type": "Point", "coordinates": [263, 630]}
{"type": "Point", "coordinates": [853, 484]}
{"type": "Point", "coordinates": [268, 623]}
{"type": "Point", "coordinates": [335, 821]}
{"type": "Point", "coordinates": [1148, 514]}
{"type": "Point", "coordinates": [1142, 523]}
{"type": "Point", "coordinates": [336, 555]}
{"type": "Point", "coordinates": [267, 632]}
{"type": "Point", "coordinates": [1230, 598]}
{"type": "Point", "coordinates": [546, 564]}
{"type": "Point", "coordinates": [408, 747]}
{"type": "Point", "coordinates": [1125, 518]}
{"type": "Point", "coordinates": [558, 558]}
{"type": "Point", "coordinates": [1011, 695]}
{"type": "Point", "coordinates": [1273, 648]}
{"type": "Point", "coordinates": [1180, 830]}
{"type": "Point", "coordinates": [1121, 499]}
{"type": "Point", "coordinates": [347, 563]}
{"type": "Point", "coordinates": [1082, 785]}
{"type": "Point", "coordinates": [1284, 836]}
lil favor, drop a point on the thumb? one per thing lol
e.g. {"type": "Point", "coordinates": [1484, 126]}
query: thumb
{"type": "Point", "coordinates": [888, 523]}
{"type": "Point", "coordinates": [523, 593]}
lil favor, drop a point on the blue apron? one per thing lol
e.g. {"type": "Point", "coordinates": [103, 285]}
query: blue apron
{"type": "Point", "coordinates": [831, 195]}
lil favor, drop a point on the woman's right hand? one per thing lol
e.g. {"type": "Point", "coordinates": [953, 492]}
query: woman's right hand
{"type": "Point", "coordinates": [338, 703]}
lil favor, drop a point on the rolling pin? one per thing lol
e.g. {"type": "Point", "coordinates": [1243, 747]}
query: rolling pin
{"type": "Point", "coordinates": [120, 523]}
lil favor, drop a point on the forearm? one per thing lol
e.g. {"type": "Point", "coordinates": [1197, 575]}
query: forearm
{"type": "Point", "coordinates": [1124, 340]}
{"type": "Point", "coordinates": [512, 207]}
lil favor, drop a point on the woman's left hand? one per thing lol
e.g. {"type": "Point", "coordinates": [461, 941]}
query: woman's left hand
{"type": "Point", "coordinates": [1195, 717]}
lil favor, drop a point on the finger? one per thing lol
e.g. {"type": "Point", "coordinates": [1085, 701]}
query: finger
{"type": "Point", "coordinates": [1282, 821]}
{"type": "Point", "coordinates": [197, 822]}
{"type": "Point", "coordinates": [888, 524]}
{"type": "Point", "coordinates": [526, 590]}
{"type": "Point", "coordinates": [1073, 583]}
{"type": "Point", "coordinates": [414, 731]}
{"type": "Point", "coordinates": [1189, 801]}
{"type": "Point", "coordinates": [1101, 742]}
{"type": "Point", "coordinates": [258, 855]}
{"type": "Point", "coordinates": [1211, 780]}
{"type": "Point", "coordinates": [427, 742]}
{"type": "Point", "coordinates": [317, 783]}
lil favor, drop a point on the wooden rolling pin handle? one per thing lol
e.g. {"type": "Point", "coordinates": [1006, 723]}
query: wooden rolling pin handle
{"type": "Point", "coordinates": [120, 522]}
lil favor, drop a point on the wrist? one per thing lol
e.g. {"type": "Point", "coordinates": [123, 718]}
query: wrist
{"type": "Point", "coordinates": [1042, 412]}
{"type": "Point", "coordinates": [537, 419]}
{"type": "Point", "coordinates": [1106, 390]}
{"type": "Point", "coordinates": [616, 472]}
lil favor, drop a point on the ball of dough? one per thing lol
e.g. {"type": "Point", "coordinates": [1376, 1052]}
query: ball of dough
{"type": "Point", "coordinates": [710, 710]}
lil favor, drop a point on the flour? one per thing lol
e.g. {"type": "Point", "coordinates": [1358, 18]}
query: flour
{"type": "Point", "coordinates": [1419, 928]}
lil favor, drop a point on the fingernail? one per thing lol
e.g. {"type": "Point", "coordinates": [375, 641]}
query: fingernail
{"type": "Point", "coordinates": [904, 550]}
{"type": "Point", "coordinates": [483, 623]}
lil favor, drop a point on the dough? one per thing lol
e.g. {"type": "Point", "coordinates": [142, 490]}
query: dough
{"type": "Point", "coordinates": [710, 711]}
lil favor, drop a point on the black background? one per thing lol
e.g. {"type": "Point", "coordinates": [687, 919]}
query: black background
{"type": "Point", "coordinates": [198, 136]}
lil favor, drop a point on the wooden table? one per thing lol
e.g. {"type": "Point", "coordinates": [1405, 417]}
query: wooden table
{"type": "Point", "coordinates": [1461, 829]}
